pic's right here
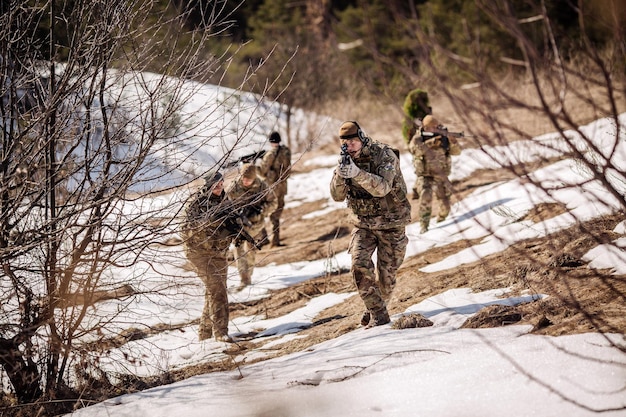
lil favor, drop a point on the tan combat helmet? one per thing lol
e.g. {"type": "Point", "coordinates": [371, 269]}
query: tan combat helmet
{"type": "Point", "coordinates": [430, 122]}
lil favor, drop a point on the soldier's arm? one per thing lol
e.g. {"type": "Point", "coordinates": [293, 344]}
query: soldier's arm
{"type": "Point", "coordinates": [264, 167]}
{"type": "Point", "coordinates": [416, 146]}
{"type": "Point", "coordinates": [338, 188]}
{"type": "Point", "coordinates": [380, 183]}
{"type": "Point", "coordinates": [271, 202]}
{"type": "Point", "coordinates": [455, 148]}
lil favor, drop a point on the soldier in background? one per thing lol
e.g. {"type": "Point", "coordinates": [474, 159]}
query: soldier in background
{"type": "Point", "coordinates": [415, 107]}
{"type": "Point", "coordinates": [276, 168]}
{"type": "Point", "coordinates": [256, 199]}
{"type": "Point", "coordinates": [431, 150]}
{"type": "Point", "coordinates": [206, 240]}
{"type": "Point", "coordinates": [369, 178]}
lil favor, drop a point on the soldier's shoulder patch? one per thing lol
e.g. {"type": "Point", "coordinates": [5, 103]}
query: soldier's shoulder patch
{"type": "Point", "coordinates": [395, 151]}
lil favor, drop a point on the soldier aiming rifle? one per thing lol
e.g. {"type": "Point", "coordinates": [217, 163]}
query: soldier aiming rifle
{"type": "Point", "coordinates": [369, 179]}
{"type": "Point", "coordinates": [432, 146]}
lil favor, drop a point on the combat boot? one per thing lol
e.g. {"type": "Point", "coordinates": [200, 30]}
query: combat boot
{"type": "Point", "coordinates": [245, 281]}
{"type": "Point", "coordinates": [276, 239]}
{"type": "Point", "coordinates": [379, 318]}
{"type": "Point", "coordinates": [264, 239]}
{"type": "Point", "coordinates": [365, 318]}
{"type": "Point", "coordinates": [223, 338]}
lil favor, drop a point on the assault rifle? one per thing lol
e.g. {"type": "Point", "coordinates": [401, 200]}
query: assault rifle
{"type": "Point", "coordinates": [443, 132]}
{"type": "Point", "coordinates": [234, 222]}
{"type": "Point", "coordinates": [437, 131]}
{"type": "Point", "coordinates": [251, 210]}
{"type": "Point", "coordinates": [246, 158]}
{"type": "Point", "coordinates": [345, 156]}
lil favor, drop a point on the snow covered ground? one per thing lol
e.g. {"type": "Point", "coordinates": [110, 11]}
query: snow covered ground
{"type": "Point", "coordinates": [440, 371]}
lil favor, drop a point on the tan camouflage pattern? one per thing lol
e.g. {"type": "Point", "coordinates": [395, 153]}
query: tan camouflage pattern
{"type": "Point", "coordinates": [202, 227]}
{"type": "Point", "coordinates": [443, 191]}
{"type": "Point", "coordinates": [212, 268]}
{"type": "Point", "coordinates": [377, 195]}
{"type": "Point", "coordinates": [375, 286]}
{"type": "Point", "coordinates": [245, 254]}
{"type": "Point", "coordinates": [429, 157]}
{"type": "Point", "coordinates": [276, 168]}
{"type": "Point", "coordinates": [206, 244]}
{"type": "Point", "coordinates": [432, 167]}
{"type": "Point", "coordinates": [260, 195]}
{"type": "Point", "coordinates": [377, 198]}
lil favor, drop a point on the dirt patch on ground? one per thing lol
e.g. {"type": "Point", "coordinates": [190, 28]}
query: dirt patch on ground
{"type": "Point", "coordinates": [575, 299]}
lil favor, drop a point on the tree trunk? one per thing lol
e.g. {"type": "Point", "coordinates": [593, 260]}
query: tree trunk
{"type": "Point", "coordinates": [22, 372]}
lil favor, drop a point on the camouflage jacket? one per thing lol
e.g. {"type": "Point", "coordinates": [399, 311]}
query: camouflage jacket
{"type": "Point", "coordinates": [431, 153]}
{"type": "Point", "coordinates": [204, 227]}
{"type": "Point", "coordinates": [377, 196]}
{"type": "Point", "coordinates": [257, 201]}
{"type": "Point", "coordinates": [276, 165]}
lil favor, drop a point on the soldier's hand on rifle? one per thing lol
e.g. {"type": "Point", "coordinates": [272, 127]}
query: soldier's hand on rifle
{"type": "Point", "coordinates": [253, 210]}
{"type": "Point", "coordinates": [347, 168]}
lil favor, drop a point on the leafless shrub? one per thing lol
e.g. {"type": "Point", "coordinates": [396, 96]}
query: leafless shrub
{"type": "Point", "coordinates": [86, 132]}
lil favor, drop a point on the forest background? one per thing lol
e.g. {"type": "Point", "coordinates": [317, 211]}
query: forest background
{"type": "Point", "coordinates": [72, 147]}
{"type": "Point", "coordinates": [325, 56]}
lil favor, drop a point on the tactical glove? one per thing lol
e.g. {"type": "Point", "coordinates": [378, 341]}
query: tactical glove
{"type": "Point", "coordinates": [348, 170]}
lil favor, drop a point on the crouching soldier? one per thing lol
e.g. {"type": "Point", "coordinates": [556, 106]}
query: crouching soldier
{"type": "Point", "coordinates": [369, 178]}
{"type": "Point", "coordinates": [206, 238]}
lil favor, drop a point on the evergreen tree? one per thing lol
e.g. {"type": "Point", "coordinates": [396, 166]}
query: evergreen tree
{"type": "Point", "coordinates": [289, 48]}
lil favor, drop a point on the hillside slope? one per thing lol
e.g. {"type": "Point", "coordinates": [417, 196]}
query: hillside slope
{"type": "Point", "coordinates": [580, 299]}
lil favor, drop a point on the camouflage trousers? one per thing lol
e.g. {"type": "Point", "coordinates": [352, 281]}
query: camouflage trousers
{"type": "Point", "coordinates": [375, 286]}
{"type": "Point", "coordinates": [245, 253]}
{"type": "Point", "coordinates": [212, 269]}
{"type": "Point", "coordinates": [275, 216]}
{"type": "Point", "coordinates": [443, 190]}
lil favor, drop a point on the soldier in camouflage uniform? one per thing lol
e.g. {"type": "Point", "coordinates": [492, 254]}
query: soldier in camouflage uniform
{"type": "Point", "coordinates": [206, 241]}
{"type": "Point", "coordinates": [255, 197]}
{"type": "Point", "coordinates": [276, 168]}
{"type": "Point", "coordinates": [372, 183]}
{"type": "Point", "coordinates": [432, 163]}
